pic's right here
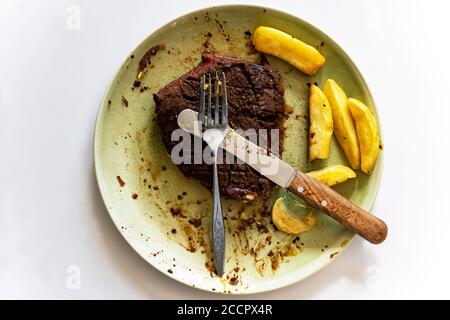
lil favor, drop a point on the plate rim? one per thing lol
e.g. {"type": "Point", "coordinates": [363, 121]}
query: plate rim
{"type": "Point", "coordinates": [319, 263]}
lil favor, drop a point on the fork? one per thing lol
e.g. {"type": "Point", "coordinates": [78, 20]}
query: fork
{"type": "Point", "coordinates": [213, 116]}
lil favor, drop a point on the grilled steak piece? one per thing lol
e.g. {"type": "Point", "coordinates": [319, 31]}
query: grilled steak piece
{"type": "Point", "coordinates": [255, 99]}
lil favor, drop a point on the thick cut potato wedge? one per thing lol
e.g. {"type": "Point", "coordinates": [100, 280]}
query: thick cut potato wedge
{"type": "Point", "coordinates": [321, 124]}
{"type": "Point", "coordinates": [344, 126]}
{"type": "Point", "coordinates": [282, 45]}
{"type": "Point", "coordinates": [333, 174]}
{"type": "Point", "coordinates": [287, 222]}
{"type": "Point", "coordinates": [368, 136]}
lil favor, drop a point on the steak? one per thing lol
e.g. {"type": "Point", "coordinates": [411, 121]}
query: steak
{"type": "Point", "coordinates": [255, 100]}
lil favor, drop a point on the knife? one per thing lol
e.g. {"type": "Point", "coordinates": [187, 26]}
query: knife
{"type": "Point", "coordinates": [315, 193]}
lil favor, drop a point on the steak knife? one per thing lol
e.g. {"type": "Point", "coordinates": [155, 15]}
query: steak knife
{"type": "Point", "coordinates": [315, 193]}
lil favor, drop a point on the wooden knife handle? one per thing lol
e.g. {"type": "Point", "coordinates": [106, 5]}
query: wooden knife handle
{"type": "Point", "coordinates": [339, 208]}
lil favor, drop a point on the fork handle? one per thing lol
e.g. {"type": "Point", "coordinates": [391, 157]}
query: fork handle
{"type": "Point", "coordinates": [218, 229]}
{"type": "Point", "coordinates": [336, 206]}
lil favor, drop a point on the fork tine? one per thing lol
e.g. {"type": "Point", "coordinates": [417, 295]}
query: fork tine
{"type": "Point", "coordinates": [209, 101]}
{"type": "Point", "coordinates": [224, 101]}
{"type": "Point", "coordinates": [216, 104]}
{"type": "Point", "coordinates": [201, 113]}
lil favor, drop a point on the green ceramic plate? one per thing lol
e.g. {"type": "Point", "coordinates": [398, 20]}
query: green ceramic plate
{"type": "Point", "coordinates": [166, 217]}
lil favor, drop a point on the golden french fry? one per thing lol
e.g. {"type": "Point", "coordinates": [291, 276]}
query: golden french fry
{"type": "Point", "coordinates": [344, 126]}
{"type": "Point", "coordinates": [320, 124]}
{"type": "Point", "coordinates": [333, 174]}
{"type": "Point", "coordinates": [282, 45]}
{"type": "Point", "coordinates": [368, 135]}
{"type": "Point", "coordinates": [288, 222]}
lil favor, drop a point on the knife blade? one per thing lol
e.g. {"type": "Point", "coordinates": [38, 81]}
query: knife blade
{"type": "Point", "coordinates": [258, 158]}
{"type": "Point", "coordinates": [312, 191]}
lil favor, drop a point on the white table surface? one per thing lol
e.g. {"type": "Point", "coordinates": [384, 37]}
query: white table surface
{"type": "Point", "coordinates": [52, 219]}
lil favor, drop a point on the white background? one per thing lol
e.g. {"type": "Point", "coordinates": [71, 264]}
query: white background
{"type": "Point", "coordinates": [52, 79]}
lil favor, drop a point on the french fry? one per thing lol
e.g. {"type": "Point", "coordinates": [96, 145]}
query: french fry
{"type": "Point", "coordinates": [321, 124]}
{"type": "Point", "coordinates": [368, 135]}
{"type": "Point", "coordinates": [282, 45]}
{"type": "Point", "coordinates": [344, 126]}
{"type": "Point", "coordinates": [287, 222]}
{"type": "Point", "coordinates": [333, 174]}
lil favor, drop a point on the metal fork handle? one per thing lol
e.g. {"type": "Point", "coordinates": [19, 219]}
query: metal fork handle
{"type": "Point", "coordinates": [218, 229]}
